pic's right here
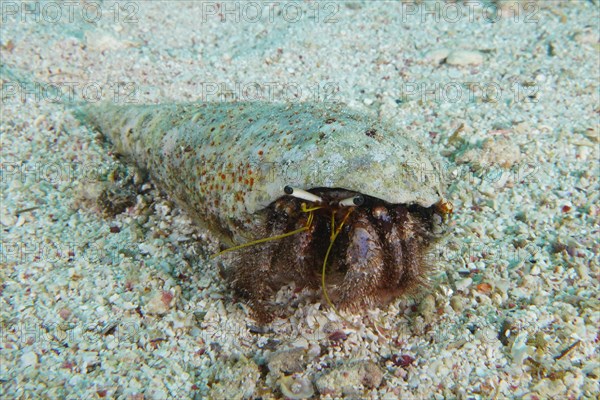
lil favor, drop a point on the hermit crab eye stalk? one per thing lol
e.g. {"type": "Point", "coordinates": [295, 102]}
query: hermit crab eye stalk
{"type": "Point", "coordinates": [302, 194]}
{"type": "Point", "coordinates": [353, 201]}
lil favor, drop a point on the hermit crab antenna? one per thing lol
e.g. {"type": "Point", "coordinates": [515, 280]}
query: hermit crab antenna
{"type": "Point", "coordinates": [357, 200]}
{"type": "Point", "coordinates": [302, 194]}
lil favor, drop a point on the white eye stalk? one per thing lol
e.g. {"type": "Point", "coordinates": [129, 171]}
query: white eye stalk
{"type": "Point", "coordinates": [353, 201]}
{"type": "Point", "coordinates": [302, 194]}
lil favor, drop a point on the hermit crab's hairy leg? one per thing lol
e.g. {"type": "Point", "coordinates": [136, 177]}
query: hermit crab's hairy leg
{"type": "Point", "coordinates": [417, 245]}
{"type": "Point", "coordinates": [414, 240]}
{"type": "Point", "coordinates": [349, 202]}
{"type": "Point", "coordinates": [295, 255]}
{"type": "Point", "coordinates": [390, 231]}
{"type": "Point", "coordinates": [410, 245]}
{"type": "Point", "coordinates": [334, 234]}
{"type": "Point", "coordinates": [365, 262]}
{"type": "Point", "coordinates": [255, 276]}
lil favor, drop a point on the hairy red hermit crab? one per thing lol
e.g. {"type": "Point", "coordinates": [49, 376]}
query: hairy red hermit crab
{"type": "Point", "coordinates": [306, 193]}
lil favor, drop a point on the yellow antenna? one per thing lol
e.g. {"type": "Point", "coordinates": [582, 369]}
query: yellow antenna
{"type": "Point", "coordinates": [268, 239]}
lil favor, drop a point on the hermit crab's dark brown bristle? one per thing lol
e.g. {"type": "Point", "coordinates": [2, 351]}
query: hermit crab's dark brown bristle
{"type": "Point", "coordinates": [378, 254]}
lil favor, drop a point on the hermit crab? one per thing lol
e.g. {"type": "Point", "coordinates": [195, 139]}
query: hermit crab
{"type": "Point", "coordinates": [314, 194]}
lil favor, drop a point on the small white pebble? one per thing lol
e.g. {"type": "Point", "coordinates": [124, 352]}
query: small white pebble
{"type": "Point", "coordinates": [465, 57]}
{"type": "Point", "coordinates": [300, 343]}
{"type": "Point", "coordinates": [157, 304]}
{"type": "Point", "coordinates": [436, 56]}
{"type": "Point", "coordinates": [7, 218]}
{"type": "Point", "coordinates": [488, 190]}
{"type": "Point", "coordinates": [462, 284]}
{"type": "Point", "coordinates": [29, 359]}
{"type": "Point", "coordinates": [587, 37]}
{"type": "Point", "coordinates": [519, 349]}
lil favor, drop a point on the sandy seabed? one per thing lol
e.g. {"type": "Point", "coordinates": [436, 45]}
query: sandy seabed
{"type": "Point", "coordinates": [98, 304]}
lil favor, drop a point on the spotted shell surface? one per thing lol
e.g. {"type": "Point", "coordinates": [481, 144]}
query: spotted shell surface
{"type": "Point", "coordinates": [225, 162]}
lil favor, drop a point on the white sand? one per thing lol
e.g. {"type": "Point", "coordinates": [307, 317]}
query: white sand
{"type": "Point", "coordinates": [87, 312]}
